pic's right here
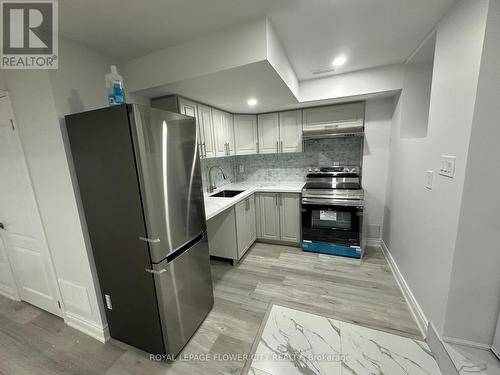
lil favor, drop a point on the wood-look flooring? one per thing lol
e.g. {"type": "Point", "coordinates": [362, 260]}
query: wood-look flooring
{"type": "Point", "coordinates": [35, 342]}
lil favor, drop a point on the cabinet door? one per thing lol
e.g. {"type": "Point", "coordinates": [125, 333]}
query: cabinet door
{"type": "Point", "coordinates": [268, 126]}
{"type": "Point", "coordinates": [291, 131]}
{"type": "Point", "coordinates": [251, 221]}
{"type": "Point", "coordinates": [205, 120]}
{"type": "Point", "coordinates": [289, 205]}
{"type": "Point", "coordinates": [189, 108]}
{"type": "Point", "coordinates": [220, 128]}
{"type": "Point", "coordinates": [269, 216]}
{"type": "Point", "coordinates": [330, 116]}
{"type": "Point", "coordinates": [245, 134]}
{"type": "Point", "coordinates": [228, 120]}
{"type": "Point", "coordinates": [221, 230]}
{"type": "Point", "coordinates": [241, 227]}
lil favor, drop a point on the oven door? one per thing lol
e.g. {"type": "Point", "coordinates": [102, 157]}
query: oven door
{"type": "Point", "coordinates": [335, 223]}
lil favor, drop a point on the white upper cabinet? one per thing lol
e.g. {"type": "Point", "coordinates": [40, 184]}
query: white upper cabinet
{"type": "Point", "coordinates": [269, 134]}
{"type": "Point", "coordinates": [245, 134]}
{"type": "Point", "coordinates": [188, 108]}
{"type": "Point", "coordinates": [332, 116]}
{"type": "Point", "coordinates": [205, 124]}
{"type": "Point", "coordinates": [223, 132]}
{"type": "Point", "coordinates": [228, 120]}
{"type": "Point", "coordinates": [290, 131]}
{"type": "Point", "coordinates": [220, 130]}
{"type": "Point", "coordinates": [280, 132]}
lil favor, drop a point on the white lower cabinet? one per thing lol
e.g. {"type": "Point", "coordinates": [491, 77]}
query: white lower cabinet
{"type": "Point", "coordinates": [221, 230]}
{"type": "Point", "coordinates": [290, 229]}
{"type": "Point", "coordinates": [269, 216]}
{"type": "Point", "coordinates": [245, 224]}
{"type": "Point", "coordinates": [279, 217]}
{"type": "Point", "coordinates": [233, 231]}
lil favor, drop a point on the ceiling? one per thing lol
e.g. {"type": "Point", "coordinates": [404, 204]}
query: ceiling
{"type": "Point", "coordinates": [229, 89]}
{"type": "Point", "coordinates": [369, 32]}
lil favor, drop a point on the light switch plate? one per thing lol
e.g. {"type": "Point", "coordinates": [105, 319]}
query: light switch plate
{"type": "Point", "coordinates": [447, 165]}
{"type": "Point", "coordinates": [429, 177]}
{"type": "Point", "coordinates": [241, 168]}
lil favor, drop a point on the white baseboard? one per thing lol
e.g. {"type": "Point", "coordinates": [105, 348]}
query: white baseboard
{"type": "Point", "coordinates": [496, 351]}
{"type": "Point", "coordinates": [472, 344]}
{"type": "Point", "coordinates": [415, 308]}
{"type": "Point", "coordinates": [373, 241]}
{"type": "Point", "coordinates": [90, 328]}
{"type": "Point", "coordinates": [9, 295]}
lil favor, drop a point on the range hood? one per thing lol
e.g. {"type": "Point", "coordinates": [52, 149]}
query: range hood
{"type": "Point", "coordinates": [333, 131]}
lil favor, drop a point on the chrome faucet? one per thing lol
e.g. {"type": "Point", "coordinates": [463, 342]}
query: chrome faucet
{"type": "Point", "coordinates": [211, 186]}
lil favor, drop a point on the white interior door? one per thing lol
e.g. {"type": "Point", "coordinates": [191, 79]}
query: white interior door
{"type": "Point", "coordinates": [22, 232]}
{"type": "Point", "coordinates": [7, 285]}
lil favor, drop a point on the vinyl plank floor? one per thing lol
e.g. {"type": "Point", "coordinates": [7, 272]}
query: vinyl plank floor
{"type": "Point", "coordinates": [33, 341]}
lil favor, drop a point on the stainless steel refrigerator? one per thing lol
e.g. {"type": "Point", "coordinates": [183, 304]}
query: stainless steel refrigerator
{"type": "Point", "coordinates": [139, 179]}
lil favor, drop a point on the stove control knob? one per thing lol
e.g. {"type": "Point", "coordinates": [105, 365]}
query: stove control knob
{"type": "Point", "coordinates": [346, 170]}
{"type": "Point", "coordinates": [316, 169]}
{"type": "Point", "coordinates": [353, 170]}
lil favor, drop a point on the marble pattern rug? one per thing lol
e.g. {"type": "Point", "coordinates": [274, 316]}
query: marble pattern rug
{"type": "Point", "coordinates": [470, 364]}
{"type": "Point", "coordinates": [296, 342]}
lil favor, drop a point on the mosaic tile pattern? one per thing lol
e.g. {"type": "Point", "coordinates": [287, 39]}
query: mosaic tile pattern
{"type": "Point", "coordinates": [289, 167]}
{"type": "Point", "coordinates": [293, 166]}
{"type": "Point", "coordinates": [227, 165]}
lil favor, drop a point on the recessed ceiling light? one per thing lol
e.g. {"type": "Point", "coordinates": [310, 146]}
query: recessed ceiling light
{"type": "Point", "coordinates": [339, 60]}
{"type": "Point", "coordinates": [252, 102]}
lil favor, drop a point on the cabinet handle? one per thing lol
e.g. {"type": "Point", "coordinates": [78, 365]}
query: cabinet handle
{"type": "Point", "coordinates": [257, 146]}
{"type": "Point", "coordinates": [276, 199]}
{"type": "Point", "coordinates": [228, 149]}
{"type": "Point", "coordinates": [277, 147]}
{"type": "Point", "coordinates": [281, 146]}
{"type": "Point", "coordinates": [204, 149]}
{"type": "Point", "coordinates": [200, 150]}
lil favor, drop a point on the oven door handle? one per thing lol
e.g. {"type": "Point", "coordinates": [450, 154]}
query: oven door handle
{"type": "Point", "coordinates": [333, 202]}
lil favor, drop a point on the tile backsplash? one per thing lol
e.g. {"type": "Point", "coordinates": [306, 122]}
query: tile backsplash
{"type": "Point", "coordinates": [285, 167]}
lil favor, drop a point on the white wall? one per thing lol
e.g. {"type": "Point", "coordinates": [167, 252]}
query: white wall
{"type": "Point", "coordinates": [474, 298]}
{"type": "Point", "coordinates": [368, 81]}
{"type": "Point", "coordinates": [378, 123]}
{"type": "Point", "coordinates": [277, 57]}
{"type": "Point", "coordinates": [420, 225]}
{"type": "Point", "coordinates": [415, 115]}
{"type": "Point", "coordinates": [40, 100]}
{"type": "Point", "coordinates": [218, 51]}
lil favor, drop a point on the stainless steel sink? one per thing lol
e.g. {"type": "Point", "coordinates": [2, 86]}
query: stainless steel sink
{"type": "Point", "coordinates": [227, 193]}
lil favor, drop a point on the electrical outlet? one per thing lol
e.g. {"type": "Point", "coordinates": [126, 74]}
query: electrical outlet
{"type": "Point", "coordinates": [447, 166]}
{"type": "Point", "coordinates": [429, 177]}
{"type": "Point", "coordinates": [242, 168]}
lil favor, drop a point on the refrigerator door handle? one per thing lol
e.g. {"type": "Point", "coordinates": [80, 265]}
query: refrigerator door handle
{"type": "Point", "coordinates": [150, 240]}
{"type": "Point", "coordinates": [156, 272]}
{"type": "Point", "coordinates": [178, 252]}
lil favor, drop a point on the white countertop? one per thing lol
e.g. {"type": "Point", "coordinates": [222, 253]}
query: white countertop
{"type": "Point", "coordinates": [214, 206]}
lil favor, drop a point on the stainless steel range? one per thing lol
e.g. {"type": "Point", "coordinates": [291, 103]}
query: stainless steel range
{"type": "Point", "coordinates": [332, 211]}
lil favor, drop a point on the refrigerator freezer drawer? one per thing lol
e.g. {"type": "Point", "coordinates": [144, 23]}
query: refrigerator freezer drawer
{"type": "Point", "coordinates": [185, 296]}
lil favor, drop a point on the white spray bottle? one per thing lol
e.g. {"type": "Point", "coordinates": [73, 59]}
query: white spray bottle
{"type": "Point", "coordinates": [114, 85]}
